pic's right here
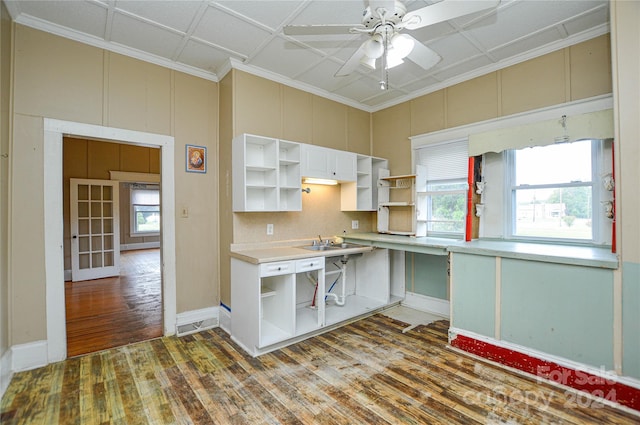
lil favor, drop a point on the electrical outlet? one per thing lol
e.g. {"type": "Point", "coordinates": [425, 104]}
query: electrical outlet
{"type": "Point", "coordinates": [355, 224]}
{"type": "Point", "coordinates": [269, 229]}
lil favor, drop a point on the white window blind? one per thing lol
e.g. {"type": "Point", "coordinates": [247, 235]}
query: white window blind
{"type": "Point", "coordinates": [145, 197]}
{"type": "Point", "coordinates": [447, 161]}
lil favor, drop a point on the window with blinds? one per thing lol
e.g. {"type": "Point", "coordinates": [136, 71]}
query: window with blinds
{"type": "Point", "coordinates": [145, 210]}
{"type": "Point", "coordinates": [442, 204]}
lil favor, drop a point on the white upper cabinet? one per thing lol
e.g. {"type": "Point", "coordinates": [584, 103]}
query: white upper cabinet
{"type": "Point", "coordinates": [325, 163]}
{"type": "Point", "coordinates": [266, 174]}
{"type": "Point", "coordinates": [362, 195]}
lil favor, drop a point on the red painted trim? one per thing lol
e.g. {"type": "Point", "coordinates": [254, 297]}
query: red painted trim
{"type": "Point", "coordinates": [577, 379]}
{"type": "Point", "coordinates": [470, 180]}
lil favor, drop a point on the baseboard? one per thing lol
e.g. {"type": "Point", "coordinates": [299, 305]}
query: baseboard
{"type": "Point", "coordinates": [5, 371]}
{"type": "Point", "coordinates": [141, 245]}
{"type": "Point", "coordinates": [193, 321]}
{"type": "Point", "coordinates": [225, 318]}
{"type": "Point", "coordinates": [598, 383]}
{"type": "Point", "coordinates": [425, 303]}
{"type": "Point", "coordinates": [29, 356]}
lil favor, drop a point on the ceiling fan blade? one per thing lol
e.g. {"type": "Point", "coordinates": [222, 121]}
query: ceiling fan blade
{"type": "Point", "coordinates": [319, 29]}
{"type": "Point", "coordinates": [352, 63]}
{"type": "Point", "coordinates": [422, 55]}
{"type": "Point", "coordinates": [444, 11]}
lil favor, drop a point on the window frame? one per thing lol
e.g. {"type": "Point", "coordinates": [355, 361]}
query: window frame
{"type": "Point", "coordinates": [133, 225]}
{"type": "Point", "coordinates": [597, 216]}
{"type": "Point", "coordinates": [425, 196]}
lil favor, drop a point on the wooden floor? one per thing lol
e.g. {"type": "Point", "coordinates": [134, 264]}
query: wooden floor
{"type": "Point", "coordinates": [368, 372]}
{"type": "Point", "coordinates": [111, 312]}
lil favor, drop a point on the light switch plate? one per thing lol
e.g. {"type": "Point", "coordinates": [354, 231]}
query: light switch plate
{"type": "Point", "coordinates": [355, 224]}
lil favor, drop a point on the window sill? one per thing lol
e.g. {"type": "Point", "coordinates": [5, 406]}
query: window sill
{"type": "Point", "coordinates": [142, 235]}
{"type": "Point", "coordinates": [589, 256]}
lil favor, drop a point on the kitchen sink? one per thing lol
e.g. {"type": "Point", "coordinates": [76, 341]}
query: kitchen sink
{"type": "Point", "coordinates": [330, 247]}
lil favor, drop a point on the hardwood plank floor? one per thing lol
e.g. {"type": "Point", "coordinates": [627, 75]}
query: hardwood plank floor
{"type": "Point", "coordinates": [111, 312]}
{"type": "Point", "coordinates": [368, 372]}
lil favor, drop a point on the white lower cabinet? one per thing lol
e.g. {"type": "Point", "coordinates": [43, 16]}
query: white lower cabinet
{"type": "Point", "coordinates": [268, 305]}
{"type": "Point", "coordinates": [277, 303]}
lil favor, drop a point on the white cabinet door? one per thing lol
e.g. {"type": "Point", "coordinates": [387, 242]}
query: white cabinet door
{"type": "Point", "coordinates": [324, 163]}
{"type": "Point", "coordinates": [343, 166]}
{"type": "Point", "coordinates": [315, 162]}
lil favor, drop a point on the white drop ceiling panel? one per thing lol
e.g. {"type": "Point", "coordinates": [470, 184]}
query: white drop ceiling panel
{"type": "Point", "coordinates": [203, 56]}
{"type": "Point", "coordinates": [144, 36]}
{"type": "Point", "coordinates": [222, 29]}
{"type": "Point", "coordinates": [178, 15]}
{"type": "Point", "coordinates": [207, 38]}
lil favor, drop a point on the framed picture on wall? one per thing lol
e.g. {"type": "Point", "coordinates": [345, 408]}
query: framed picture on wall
{"type": "Point", "coordinates": [196, 159]}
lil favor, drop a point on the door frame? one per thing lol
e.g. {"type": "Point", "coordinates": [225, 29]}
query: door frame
{"type": "Point", "coordinates": [53, 133]}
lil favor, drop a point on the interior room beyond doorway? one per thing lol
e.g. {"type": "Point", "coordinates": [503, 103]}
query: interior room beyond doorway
{"type": "Point", "coordinates": [115, 311]}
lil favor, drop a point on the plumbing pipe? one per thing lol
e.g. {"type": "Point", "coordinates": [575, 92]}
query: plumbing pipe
{"type": "Point", "coordinates": [315, 291]}
{"type": "Point", "coordinates": [340, 300]}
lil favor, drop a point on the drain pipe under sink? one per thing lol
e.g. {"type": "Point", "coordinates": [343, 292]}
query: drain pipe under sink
{"type": "Point", "coordinates": [340, 301]}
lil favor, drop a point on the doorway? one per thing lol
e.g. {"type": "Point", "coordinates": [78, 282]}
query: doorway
{"type": "Point", "coordinates": [112, 298]}
{"type": "Point", "coordinates": [53, 238]}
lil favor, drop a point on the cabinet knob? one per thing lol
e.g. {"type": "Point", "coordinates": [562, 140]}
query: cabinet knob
{"type": "Point", "coordinates": [279, 268]}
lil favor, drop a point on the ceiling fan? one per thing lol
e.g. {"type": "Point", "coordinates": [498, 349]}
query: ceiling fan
{"type": "Point", "coordinates": [382, 22]}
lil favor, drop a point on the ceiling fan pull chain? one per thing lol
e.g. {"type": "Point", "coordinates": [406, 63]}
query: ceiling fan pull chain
{"type": "Point", "coordinates": [384, 82]}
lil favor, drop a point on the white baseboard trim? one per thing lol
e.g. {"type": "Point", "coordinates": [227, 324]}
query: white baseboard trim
{"type": "Point", "coordinates": [426, 304]}
{"type": "Point", "coordinates": [5, 371]}
{"type": "Point", "coordinates": [141, 245]}
{"type": "Point", "coordinates": [193, 321]}
{"type": "Point", "coordinates": [29, 356]}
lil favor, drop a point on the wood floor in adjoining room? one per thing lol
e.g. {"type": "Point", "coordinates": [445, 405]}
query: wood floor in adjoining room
{"type": "Point", "coordinates": [115, 311]}
{"type": "Point", "coordinates": [367, 372]}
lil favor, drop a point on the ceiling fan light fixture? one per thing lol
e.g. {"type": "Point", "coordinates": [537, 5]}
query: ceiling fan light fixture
{"type": "Point", "coordinates": [368, 62]}
{"type": "Point", "coordinates": [393, 59]}
{"type": "Point", "coordinates": [402, 45]}
{"type": "Point", "coordinates": [374, 48]}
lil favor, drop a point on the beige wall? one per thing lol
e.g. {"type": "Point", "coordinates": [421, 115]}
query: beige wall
{"type": "Point", "coordinates": [573, 73]}
{"type": "Point", "coordinates": [89, 85]}
{"type": "Point", "coordinates": [91, 159]}
{"type": "Point", "coordinates": [5, 84]}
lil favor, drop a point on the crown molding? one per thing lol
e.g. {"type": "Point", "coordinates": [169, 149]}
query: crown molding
{"type": "Point", "coordinates": [39, 24]}
{"type": "Point", "coordinates": [233, 63]}
{"type": "Point", "coordinates": [531, 54]}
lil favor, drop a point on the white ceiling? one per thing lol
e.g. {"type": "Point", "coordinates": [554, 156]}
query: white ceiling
{"type": "Point", "coordinates": [208, 38]}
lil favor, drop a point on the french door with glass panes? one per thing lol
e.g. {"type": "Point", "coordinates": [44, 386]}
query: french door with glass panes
{"type": "Point", "coordinates": [95, 229]}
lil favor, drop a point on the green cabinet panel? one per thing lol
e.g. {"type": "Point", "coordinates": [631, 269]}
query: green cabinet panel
{"type": "Point", "coordinates": [562, 310]}
{"type": "Point", "coordinates": [427, 275]}
{"type": "Point", "coordinates": [631, 319]}
{"type": "Point", "coordinates": [473, 291]}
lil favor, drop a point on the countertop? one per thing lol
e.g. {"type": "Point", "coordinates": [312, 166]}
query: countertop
{"type": "Point", "coordinates": [552, 253]}
{"type": "Point", "coordinates": [589, 256]}
{"type": "Point", "coordinates": [288, 250]}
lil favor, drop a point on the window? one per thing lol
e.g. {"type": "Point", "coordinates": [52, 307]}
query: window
{"type": "Point", "coordinates": [145, 210]}
{"type": "Point", "coordinates": [442, 193]}
{"type": "Point", "coordinates": [552, 191]}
